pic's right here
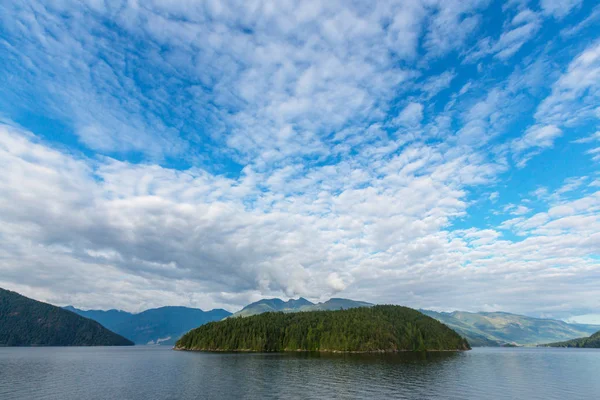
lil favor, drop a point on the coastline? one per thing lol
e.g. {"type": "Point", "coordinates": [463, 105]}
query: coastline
{"type": "Point", "coordinates": [320, 351]}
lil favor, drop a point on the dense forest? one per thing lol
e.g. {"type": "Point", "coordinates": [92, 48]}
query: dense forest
{"type": "Point", "coordinates": [592, 342]}
{"type": "Point", "coordinates": [27, 322]}
{"type": "Point", "coordinates": [378, 328]}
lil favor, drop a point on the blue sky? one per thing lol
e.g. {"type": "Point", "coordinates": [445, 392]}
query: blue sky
{"type": "Point", "coordinates": [435, 154]}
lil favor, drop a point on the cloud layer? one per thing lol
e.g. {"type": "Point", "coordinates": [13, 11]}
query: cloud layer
{"type": "Point", "coordinates": [209, 154]}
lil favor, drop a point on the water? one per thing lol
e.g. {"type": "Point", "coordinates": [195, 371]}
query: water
{"type": "Point", "coordinates": [148, 373]}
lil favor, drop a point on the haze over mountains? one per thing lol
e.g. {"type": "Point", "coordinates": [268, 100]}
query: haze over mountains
{"type": "Point", "coordinates": [501, 328]}
{"type": "Point", "coordinates": [162, 325]}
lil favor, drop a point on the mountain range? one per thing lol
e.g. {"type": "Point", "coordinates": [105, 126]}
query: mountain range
{"type": "Point", "coordinates": [25, 321]}
{"type": "Point", "coordinates": [28, 322]}
{"type": "Point", "coordinates": [162, 325]}
{"type": "Point", "coordinates": [301, 304]}
{"type": "Point", "coordinates": [501, 328]}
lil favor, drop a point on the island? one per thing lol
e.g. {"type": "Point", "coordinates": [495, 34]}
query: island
{"type": "Point", "coordinates": [384, 328]}
{"type": "Point", "coordinates": [592, 342]}
{"type": "Point", "coordinates": [27, 322]}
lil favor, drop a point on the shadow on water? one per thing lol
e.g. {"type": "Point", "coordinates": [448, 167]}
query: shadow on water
{"type": "Point", "coordinates": [421, 357]}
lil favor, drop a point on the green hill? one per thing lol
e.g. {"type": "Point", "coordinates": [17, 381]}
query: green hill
{"type": "Point", "coordinates": [301, 304]}
{"type": "Point", "coordinates": [27, 322]}
{"type": "Point", "coordinates": [501, 328]}
{"type": "Point", "coordinates": [592, 342]}
{"type": "Point", "coordinates": [364, 329]}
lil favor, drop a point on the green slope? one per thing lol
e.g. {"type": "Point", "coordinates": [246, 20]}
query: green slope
{"type": "Point", "coordinates": [500, 328]}
{"type": "Point", "coordinates": [476, 337]}
{"type": "Point", "coordinates": [592, 342]}
{"type": "Point", "coordinates": [363, 329]}
{"type": "Point", "coordinates": [27, 322]}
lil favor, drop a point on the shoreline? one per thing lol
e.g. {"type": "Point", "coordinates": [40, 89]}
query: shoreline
{"type": "Point", "coordinates": [320, 351]}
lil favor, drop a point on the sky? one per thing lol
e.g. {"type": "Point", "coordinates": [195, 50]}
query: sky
{"type": "Point", "coordinates": [436, 154]}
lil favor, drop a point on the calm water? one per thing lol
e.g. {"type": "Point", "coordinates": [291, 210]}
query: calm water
{"type": "Point", "coordinates": [160, 373]}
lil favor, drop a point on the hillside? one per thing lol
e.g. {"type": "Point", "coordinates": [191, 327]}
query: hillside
{"type": "Point", "coordinates": [363, 329]}
{"type": "Point", "coordinates": [592, 342]}
{"type": "Point", "coordinates": [27, 322]}
{"type": "Point", "coordinates": [500, 328]}
{"type": "Point", "coordinates": [301, 304]}
{"type": "Point", "coordinates": [162, 325]}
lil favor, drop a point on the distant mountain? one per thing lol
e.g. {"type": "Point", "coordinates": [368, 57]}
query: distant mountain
{"type": "Point", "coordinates": [271, 305]}
{"type": "Point", "coordinates": [27, 322]}
{"type": "Point", "coordinates": [592, 342]}
{"type": "Point", "coordinates": [337, 304]}
{"type": "Point", "coordinates": [155, 326]}
{"type": "Point", "coordinates": [301, 304]}
{"type": "Point", "coordinates": [500, 328]}
{"type": "Point", "coordinates": [109, 318]}
{"type": "Point", "coordinates": [360, 329]}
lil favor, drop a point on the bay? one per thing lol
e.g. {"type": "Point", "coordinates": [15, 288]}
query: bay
{"type": "Point", "coordinates": [146, 372]}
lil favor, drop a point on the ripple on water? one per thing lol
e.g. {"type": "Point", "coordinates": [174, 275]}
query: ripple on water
{"type": "Point", "coordinates": [159, 373]}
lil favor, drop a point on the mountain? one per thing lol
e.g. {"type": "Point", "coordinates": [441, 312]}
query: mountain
{"type": "Point", "coordinates": [362, 329]}
{"type": "Point", "coordinates": [337, 304]}
{"type": "Point", "coordinates": [272, 305]}
{"type": "Point", "coordinates": [301, 304]}
{"type": "Point", "coordinates": [162, 325]}
{"type": "Point", "coordinates": [500, 328]}
{"type": "Point", "coordinates": [109, 318]}
{"type": "Point", "coordinates": [592, 342]}
{"type": "Point", "coordinates": [27, 322]}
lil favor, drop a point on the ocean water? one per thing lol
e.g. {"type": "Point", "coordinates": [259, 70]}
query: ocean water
{"type": "Point", "coordinates": [146, 373]}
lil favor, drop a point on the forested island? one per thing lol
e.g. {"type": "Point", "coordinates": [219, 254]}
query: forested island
{"type": "Point", "coordinates": [592, 342]}
{"type": "Point", "coordinates": [27, 322]}
{"type": "Point", "coordinates": [383, 328]}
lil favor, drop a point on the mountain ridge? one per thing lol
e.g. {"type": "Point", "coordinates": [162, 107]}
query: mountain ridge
{"type": "Point", "coordinates": [500, 328]}
{"type": "Point", "coordinates": [28, 322]}
{"type": "Point", "coordinates": [162, 325]}
{"type": "Point", "coordinates": [297, 305]}
{"type": "Point", "coordinates": [490, 329]}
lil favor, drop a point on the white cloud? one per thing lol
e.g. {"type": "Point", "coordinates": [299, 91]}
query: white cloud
{"type": "Point", "coordinates": [432, 86]}
{"type": "Point", "coordinates": [586, 23]}
{"type": "Point", "coordinates": [533, 141]}
{"type": "Point", "coordinates": [147, 235]}
{"type": "Point", "coordinates": [523, 28]}
{"type": "Point", "coordinates": [559, 8]}
{"type": "Point", "coordinates": [594, 137]}
{"type": "Point", "coordinates": [575, 94]}
{"type": "Point", "coordinates": [326, 194]}
{"type": "Point", "coordinates": [410, 116]}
